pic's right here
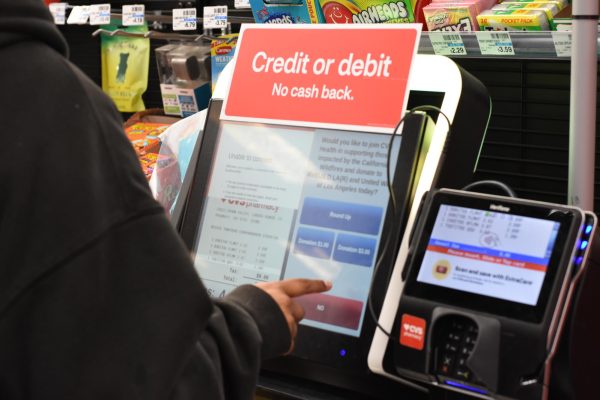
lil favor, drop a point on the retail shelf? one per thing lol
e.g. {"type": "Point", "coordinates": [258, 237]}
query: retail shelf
{"type": "Point", "coordinates": [542, 45]}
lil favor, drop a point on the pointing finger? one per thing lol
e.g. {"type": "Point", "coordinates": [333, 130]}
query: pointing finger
{"type": "Point", "coordinates": [299, 287]}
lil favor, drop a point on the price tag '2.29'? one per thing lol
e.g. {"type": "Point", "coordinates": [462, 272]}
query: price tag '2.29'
{"type": "Point", "coordinates": [215, 17]}
{"type": "Point", "coordinates": [495, 43]}
{"type": "Point", "coordinates": [447, 44]}
{"type": "Point", "coordinates": [184, 19]}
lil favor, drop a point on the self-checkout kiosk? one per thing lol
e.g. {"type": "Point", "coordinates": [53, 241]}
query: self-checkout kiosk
{"type": "Point", "coordinates": [257, 204]}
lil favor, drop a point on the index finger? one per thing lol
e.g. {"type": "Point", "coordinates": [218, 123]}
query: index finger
{"type": "Point", "coordinates": [298, 287]}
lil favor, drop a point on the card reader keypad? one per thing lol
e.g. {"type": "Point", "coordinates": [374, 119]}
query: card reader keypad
{"type": "Point", "coordinates": [455, 342]}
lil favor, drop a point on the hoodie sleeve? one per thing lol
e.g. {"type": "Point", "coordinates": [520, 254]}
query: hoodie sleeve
{"type": "Point", "coordinates": [243, 329]}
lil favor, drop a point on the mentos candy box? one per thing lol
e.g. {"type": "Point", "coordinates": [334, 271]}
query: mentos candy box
{"type": "Point", "coordinates": [451, 16]}
{"type": "Point", "coordinates": [367, 11]}
{"type": "Point", "coordinates": [286, 11]}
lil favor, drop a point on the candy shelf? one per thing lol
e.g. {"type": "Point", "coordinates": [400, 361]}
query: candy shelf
{"type": "Point", "coordinates": [528, 45]}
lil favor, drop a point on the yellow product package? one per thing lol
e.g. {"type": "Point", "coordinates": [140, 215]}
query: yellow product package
{"type": "Point", "coordinates": [221, 52]}
{"type": "Point", "coordinates": [125, 64]}
{"type": "Point", "coordinates": [551, 9]}
{"type": "Point", "coordinates": [513, 20]}
{"type": "Point", "coordinates": [559, 3]}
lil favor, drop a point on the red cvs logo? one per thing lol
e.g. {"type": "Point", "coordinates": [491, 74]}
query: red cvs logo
{"type": "Point", "coordinates": [412, 332]}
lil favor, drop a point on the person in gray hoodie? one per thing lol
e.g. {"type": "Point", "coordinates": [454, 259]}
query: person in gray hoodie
{"type": "Point", "coordinates": [99, 298]}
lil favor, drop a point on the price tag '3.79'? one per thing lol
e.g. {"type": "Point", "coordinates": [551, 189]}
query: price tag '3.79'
{"type": "Point", "coordinates": [215, 17]}
{"type": "Point", "coordinates": [447, 44]}
{"type": "Point", "coordinates": [495, 43]}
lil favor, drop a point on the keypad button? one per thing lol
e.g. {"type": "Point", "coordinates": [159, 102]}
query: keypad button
{"type": "Point", "coordinates": [451, 347]}
{"type": "Point", "coordinates": [463, 373]}
{"type": "Point", "coordinates": [447, 363]}
{"type": "Point", "coordinates": [455, 341]}
{"type": "Point", "coordinates": [454, 337]}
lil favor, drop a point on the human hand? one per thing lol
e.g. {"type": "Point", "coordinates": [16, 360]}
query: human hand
{"type": "Point", "coordinates": [283, 293]}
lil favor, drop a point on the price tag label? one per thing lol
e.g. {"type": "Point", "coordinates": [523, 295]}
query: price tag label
{"type": "Point", "coordinates": [79, 15]}
{"type": "Point", "coordinates": [184, 19]}
{"type": "Point", "coordinates": [59, 12]}
{"type": "Point", "coordinates": [241, 4]}
{"type": "Point", "coordinates": [562, 43]}
{"type": "Point", "coordinates": [100, 14]}
{"type": "Point", "coordinates": [495, 43]}
{"type": "Point", "coordinates": [133, 14]}
{"type": "Point", "coordinates": [215, 17]}
{"type": "Point", "coordinates": [447, 44]}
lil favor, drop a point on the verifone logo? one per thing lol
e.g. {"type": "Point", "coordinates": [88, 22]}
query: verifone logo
{"type": "Point", "coordinates": [498, 207]}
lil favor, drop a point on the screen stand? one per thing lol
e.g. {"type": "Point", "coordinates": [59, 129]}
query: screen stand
{"type": "Point", "coordinates": [436, 393]}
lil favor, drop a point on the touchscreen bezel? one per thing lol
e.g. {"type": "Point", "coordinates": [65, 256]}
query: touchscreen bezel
{"type": "Point", "coordinates": [559, 261]}
{"type": "Point", "coordinates": [314, 343]}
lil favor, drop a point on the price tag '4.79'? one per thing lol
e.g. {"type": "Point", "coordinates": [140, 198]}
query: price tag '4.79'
{"type": "Point", "coordinates": [447, 44]}
{"type": "Point", "coordinates": [184, 19]}
{"type": "Point", "coordinates": [215, 17]}
{"type": "Point", "coordinates": [495, 43]}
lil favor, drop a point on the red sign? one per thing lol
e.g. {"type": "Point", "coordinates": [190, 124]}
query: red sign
{"type": "Point", "coordinates": [346, 76]}
{"type": "Point", "coordinates": [412, 331]}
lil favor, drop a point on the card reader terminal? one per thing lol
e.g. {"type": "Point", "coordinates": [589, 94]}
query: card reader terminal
{"type": "Point", "coordinates": [486, 281]}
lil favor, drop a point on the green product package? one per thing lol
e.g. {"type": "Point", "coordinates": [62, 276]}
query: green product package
{"type": "Point", "coordinates": [125, 63]}
{"type": "Point", "coordinates": [367, 11]}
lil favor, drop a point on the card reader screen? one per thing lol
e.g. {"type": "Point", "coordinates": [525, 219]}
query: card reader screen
{"type": "Point", "coordinates": [288, 202]}
{"type": "Point", "coordinates": [489, 253]}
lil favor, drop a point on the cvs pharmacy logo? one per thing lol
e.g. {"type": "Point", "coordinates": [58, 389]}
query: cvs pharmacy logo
{"type": "Point", "coordinates": [412, 332]}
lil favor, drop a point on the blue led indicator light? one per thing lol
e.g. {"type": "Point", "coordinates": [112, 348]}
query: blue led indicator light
{"type": "Point", "coordinates": [466, 387]}
{"type": "Point", "coordinates": [343, 352]}
{"type": "Point", "coordinates": [583, 245]}
{"type": "Point", "coordinates": [588, 229]}
{"type": "Point", "coordinates": [579, 260]}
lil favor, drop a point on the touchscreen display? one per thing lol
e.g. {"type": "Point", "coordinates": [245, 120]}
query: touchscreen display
{"type": "Point", "coordinates": [286, 202]}
{"type": "Point", "coordinates": [489, 253]}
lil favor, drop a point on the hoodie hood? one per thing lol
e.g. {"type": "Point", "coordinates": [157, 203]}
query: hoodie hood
{"type": "Point", "coordinates": [25, 20]}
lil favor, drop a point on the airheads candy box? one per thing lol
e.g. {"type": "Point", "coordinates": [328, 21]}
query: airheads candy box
{"type": "Point", "coordinates": [367, 11]}
{"type": "Point", "coordinates": [286, 11]}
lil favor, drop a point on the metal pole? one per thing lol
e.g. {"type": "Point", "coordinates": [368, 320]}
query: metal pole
{"type": "Point", "coordinates": [582, 120]}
